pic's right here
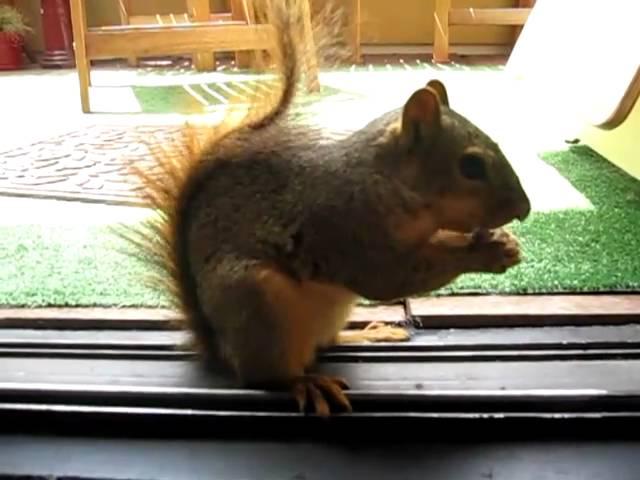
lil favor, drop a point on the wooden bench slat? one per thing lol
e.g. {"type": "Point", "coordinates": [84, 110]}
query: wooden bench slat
{"type": "Point", "coordinates": [178, 19]}
{"type": "Point", "coordinates": [488, 16]}
{"type": "Point", "coordinates": [142, 40]}
{"type": "Point", "coordinates": [168, 19]}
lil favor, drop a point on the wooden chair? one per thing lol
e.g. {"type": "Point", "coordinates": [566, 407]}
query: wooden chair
{"type": "Point", "coordinates": [200, 37]}
{"type": "Point", "coordinates": [445, 16]}
{"type": "Point", "coordinates": [241, 13]}
{"type": "Point", "coordinates": [356, 31]}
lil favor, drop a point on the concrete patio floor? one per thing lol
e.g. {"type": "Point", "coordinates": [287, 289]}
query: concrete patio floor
{"type": "Point", "coordinates": [40, 104]}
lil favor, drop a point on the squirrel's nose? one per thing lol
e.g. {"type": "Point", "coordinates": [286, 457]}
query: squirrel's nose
{"type": "Point", "coordinates": [524, 209]}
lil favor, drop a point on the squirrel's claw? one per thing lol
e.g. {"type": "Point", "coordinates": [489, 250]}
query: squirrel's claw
{"type": "Point", "coordinates": [317, 389]}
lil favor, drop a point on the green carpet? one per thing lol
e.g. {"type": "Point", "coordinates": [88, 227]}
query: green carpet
{"type": "Point", "coordinates": [232, 86]}
{"type": "Point", "coordinates": [202, 97]}
{"type": "Point", "coordinates": [565, 251]}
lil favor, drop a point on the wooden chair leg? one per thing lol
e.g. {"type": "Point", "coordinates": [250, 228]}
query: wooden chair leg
{"type": "Point", "coordinates": [441, 31]}
{"type": "Point", "coordinates": [83, 64]}
{"type": "Point", "coordinates": [125, 10]}
{"type": "Point", "coordinates": [240, 11]}
{"type": "Point", "coordinates": [356, 29]}
{"type": "Point", "coordinates": [200, 11]}
{"type": "Point", "coordinates": [259, 58]}
{"type": "Point", "coordinates": [204, 62]}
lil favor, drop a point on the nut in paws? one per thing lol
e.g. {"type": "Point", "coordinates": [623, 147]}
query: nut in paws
{"type": "Point", "coordinates": [499, 251]}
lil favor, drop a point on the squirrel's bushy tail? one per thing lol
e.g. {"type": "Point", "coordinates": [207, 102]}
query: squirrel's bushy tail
{"type": "Point", "coordinates": [165, 183]}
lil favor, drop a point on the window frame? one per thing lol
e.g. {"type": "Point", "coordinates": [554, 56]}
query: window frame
{"type": "Point", "coordinates": [65, 341]}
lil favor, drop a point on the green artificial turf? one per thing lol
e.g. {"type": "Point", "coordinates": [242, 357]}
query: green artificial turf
{"type": "Point", "coordinates": [565, 251]}
{"type": "Point", "coordinates": [233, 85]}
{"type": "Point", "coordinates": [178, 99]}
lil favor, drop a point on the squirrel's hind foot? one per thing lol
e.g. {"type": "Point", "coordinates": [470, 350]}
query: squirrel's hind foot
{"type": "Point", "coordinates": [317, 391]}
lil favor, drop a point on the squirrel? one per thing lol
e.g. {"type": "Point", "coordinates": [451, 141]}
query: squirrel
{"type": "Point", "coordinates": [266, 237]}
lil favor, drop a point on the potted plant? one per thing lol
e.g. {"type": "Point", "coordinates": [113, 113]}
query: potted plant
{"type": "Point", "coordinates": [12, 30]}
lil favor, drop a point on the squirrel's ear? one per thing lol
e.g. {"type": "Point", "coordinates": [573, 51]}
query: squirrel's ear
{"type": "Point", "coordinates": [441, 90]}
{"type": "Point", "coordinates": [421, 117]}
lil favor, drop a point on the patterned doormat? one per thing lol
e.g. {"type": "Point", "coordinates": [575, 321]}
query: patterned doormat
{"type": "Point", "coordinates": [89, 164]}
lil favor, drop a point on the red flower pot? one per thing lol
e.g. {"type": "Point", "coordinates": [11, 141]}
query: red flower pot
{"type": "Point", "coordinates": [10, 51]}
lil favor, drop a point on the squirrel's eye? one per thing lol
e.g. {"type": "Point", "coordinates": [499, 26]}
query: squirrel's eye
{"type": "Point", "coordinates": [472, 167]}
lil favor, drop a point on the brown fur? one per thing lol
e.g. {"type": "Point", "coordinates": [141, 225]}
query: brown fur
{"type": "Point", "coordinates": [266, 237]}
{"type": "Point", "coordinates": [176, 172]}
{"type": "Point", "coordinates": [414, 229]}
{"type": "Point", "coordinates": [312, 313]}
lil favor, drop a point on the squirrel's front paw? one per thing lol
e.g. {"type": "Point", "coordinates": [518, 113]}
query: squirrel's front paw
{"type": "Point", "coordinates": [498, 250]}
